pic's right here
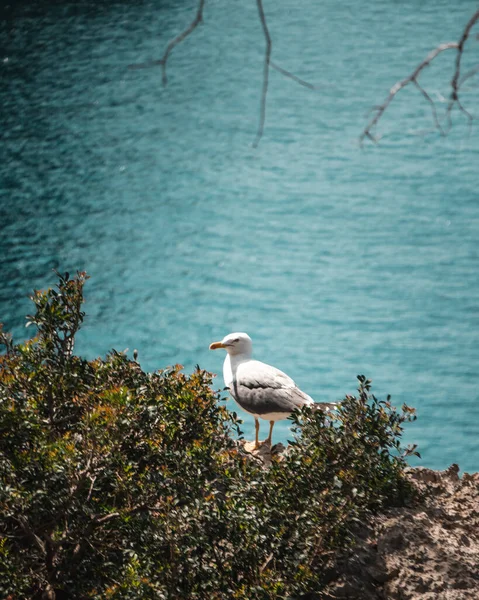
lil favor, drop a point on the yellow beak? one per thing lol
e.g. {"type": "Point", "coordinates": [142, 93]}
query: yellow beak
{"type": "Point", "coordinates": [216, 345]}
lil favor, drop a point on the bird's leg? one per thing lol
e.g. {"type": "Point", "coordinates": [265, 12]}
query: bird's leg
{"type": "Point", "coordinates": [256, 441]}
{"type": "Point", "coordinates": [268, 439]}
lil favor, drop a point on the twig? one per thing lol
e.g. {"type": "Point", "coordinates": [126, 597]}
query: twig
{"type": "Point", "coordinates": [267, 61]}
{"type": "Point", "coordinates": [400, 85]}
{"type": "Point", "coordinates": [93, 479]}
{"type": "Point", "coordinates": [98, 520]}
{"type": "Point", "coordinates": [466, 113]}
{"type": "Point", "coordinates": [101, 519]}
{"type": "Point", "coordinates": [468, 74]}
{"type": "Point", "coordinates": [174, 42]}
{"type": "Point", "coordinates": [179, 38]}
{"type": "Point", "coordinates": [456, 83]}
{"type": "Point", "coordinates": [31, 534]}
{"type": "Point", "coordinates": [266, 563]}
{"type": "Point", "coordinates": [267, 58]}
{"type": "Point", "coordinates": [292, 76]}
{"type": "Point", "coordinates": [457, 72]}
{"type": "Point", "coordinates": [431, 102]}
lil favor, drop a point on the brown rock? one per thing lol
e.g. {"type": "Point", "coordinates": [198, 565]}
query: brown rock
{"type": "Point", "coordinates": [427, 551]}
{"type": "Point", "coordinates": [264, 453]}
{"type": "Point", "coordinates": [378, 574]}
{"type": "Point", "coordinates": [391, 540]}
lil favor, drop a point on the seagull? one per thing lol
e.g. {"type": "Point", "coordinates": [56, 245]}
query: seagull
{"type": "Point", "coordinates": [260, 389]}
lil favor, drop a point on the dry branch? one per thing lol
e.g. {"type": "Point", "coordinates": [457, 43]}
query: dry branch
{"type": "Point", "coordinates": [172, 43]}
{"type": "Point", "coordinates": [468, 75]}
{"type": "Point", "coordinates": [31, 534]}
{"type": "Point", "coordinates": [179, 38]}
{"type": "Point", "coordinates": [456, 83]}
{"type": "Point", "coordinates": [267, 61]}
{"type": "Point", "coordinates": [460, 48]}
{"type": "Point", "coordinates": [292, 76]}
{"type": "Point", "coordinates": [267, 58]}
{"type": "Point", "coordinates": [402, 84]}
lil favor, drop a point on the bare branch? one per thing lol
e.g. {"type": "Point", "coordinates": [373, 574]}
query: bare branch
{"type": "Point", "coordinates": [93, 479]}
{"type": "Point", "coordinates": [266, 563]}
{"type": "Point", "coordinates": [467, 75]}
{"type": "Point", "coordinates": [174, 42]}
{"type": "Point", "coordinates": [402, 84]}
{"type": "Point", "coordinates": [101, 519]}
{"type": "Point", "coordinates": [456, 79]}
{"type": "Point", "coordinates": [431, 102]}
{"type": "Point", "coordinates": [31, 534]}
{"type": "Point", "coordinates": [267, 64]}
{"type": "Point", "coordinates": [98, 520]}
{"type": "Point", "coordinates": [292, 76]}
{"type": "Point", "coordinates": [267, 58]}
{"type": "Point", "coordinates": [460, 48]}
{"type": "Point", "coordinates": [179, 38]}
{"type": "Point", "coordinates": [466, 113]}
{"type": "Point", "coordinates": [456, 83]}
{"type": "Point", "coordinates": [267, 61]}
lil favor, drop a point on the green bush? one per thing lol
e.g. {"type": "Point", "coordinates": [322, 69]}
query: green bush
{"type": "Point", "coordinates": [116, 483]}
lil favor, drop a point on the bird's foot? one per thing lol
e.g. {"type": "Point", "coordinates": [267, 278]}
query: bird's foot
{"type": "Point", "coordinates": [255, 447]}
{"type": "Point", "coordinates": [251, 446]}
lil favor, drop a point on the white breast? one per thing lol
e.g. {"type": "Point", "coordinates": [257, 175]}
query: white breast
{"type": "Point", "coordinates": [230, 367]}
{"type": "Point", "coordinates": [227, 372]}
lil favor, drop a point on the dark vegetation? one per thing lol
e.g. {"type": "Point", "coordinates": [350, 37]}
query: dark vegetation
{"type": "Point", "coordinates": [116, 483]}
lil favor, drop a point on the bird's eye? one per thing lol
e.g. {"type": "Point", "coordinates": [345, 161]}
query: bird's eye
{"type": "Point", "coordinates": [236, 340]}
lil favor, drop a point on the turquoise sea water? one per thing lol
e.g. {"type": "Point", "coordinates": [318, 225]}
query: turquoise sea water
{"type": "Point", "coordinates": [336, 260]}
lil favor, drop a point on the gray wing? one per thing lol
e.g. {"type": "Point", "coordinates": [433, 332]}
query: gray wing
{"type": "Point", "coordinates": [261, 389]}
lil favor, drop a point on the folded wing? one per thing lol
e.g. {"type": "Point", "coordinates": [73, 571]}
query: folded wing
{"type": "Point", "coordinates": [262, 389]}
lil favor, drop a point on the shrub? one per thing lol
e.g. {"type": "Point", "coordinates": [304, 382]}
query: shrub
{"type": "Point", "coordinates": [116, 483]}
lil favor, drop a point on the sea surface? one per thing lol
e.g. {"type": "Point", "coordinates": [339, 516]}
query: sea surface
{"type": "Point", "coordinates": [337, 260]}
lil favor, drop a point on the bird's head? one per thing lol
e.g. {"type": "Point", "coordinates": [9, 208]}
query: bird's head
{"type": "Point", "coordinates": [235, 343]}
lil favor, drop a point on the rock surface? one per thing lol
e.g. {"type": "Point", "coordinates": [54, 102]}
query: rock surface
{"type": "Point", "coordinates": [426, 551]}
{"type": "Point", "coordinates": [429, 551]}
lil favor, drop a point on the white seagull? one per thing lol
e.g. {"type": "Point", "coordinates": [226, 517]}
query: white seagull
{"type": "Point", "coordinates": [260, 389]}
